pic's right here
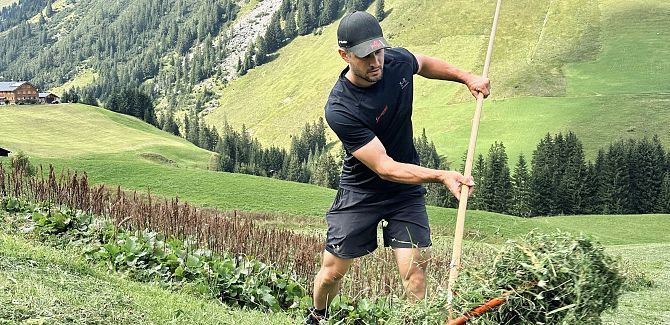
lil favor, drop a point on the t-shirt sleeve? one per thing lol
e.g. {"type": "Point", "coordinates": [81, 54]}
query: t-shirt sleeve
{"type": "Point", "coordinates": [409, 57]}
{"type": "Point", "coordinates": [350, 130]}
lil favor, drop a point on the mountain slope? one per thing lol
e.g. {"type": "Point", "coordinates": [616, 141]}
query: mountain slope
{"type": "Point", "coordinates": [557, 66]}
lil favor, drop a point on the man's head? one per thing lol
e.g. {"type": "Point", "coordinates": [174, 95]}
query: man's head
{"type": "Point", "coordinates": [362, 46]}
{"type": "Point", "coordinates": [359, 32]}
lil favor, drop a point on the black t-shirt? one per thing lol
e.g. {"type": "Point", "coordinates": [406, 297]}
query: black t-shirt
{"type": "Point", "coordinates": [383, 110]}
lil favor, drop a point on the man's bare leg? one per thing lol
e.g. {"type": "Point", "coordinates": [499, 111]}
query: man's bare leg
{"type": "Point", "coordinates": [412, 263]}
{"type": "Point", "coordinates": [327, 281]}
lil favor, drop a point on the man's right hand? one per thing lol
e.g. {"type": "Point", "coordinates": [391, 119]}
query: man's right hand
{"type": "Point", "coordinates": [477, 84]}
{"type": "Point", "coordinates": [454, 180]}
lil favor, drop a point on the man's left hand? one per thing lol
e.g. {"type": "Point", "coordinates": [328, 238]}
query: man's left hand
{"type": "Point", "coordinates": [477, 85]}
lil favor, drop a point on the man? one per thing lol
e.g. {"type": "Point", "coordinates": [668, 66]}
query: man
{"type": "Point", "coordinates": [370, 109]}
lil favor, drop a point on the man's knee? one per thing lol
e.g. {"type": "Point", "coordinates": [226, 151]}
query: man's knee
{"type": "Point", "coordinates": [332, 269]}
{"type": "Point", "coordinates": [415, 285]}
{"type": "Point", "coordinates": [416, 279]}
{"type": "Point", "coordinates": [330, 276]}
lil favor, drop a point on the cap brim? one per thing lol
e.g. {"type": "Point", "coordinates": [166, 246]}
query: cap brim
{"type": "Point", "coordinates": [367, 47]}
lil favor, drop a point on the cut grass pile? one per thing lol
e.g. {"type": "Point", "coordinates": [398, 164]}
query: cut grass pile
{"type": "Point", "coordinates": [546, 279]}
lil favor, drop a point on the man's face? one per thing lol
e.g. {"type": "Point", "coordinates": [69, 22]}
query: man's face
{"type": "Point", "coordinates": [366, 70]}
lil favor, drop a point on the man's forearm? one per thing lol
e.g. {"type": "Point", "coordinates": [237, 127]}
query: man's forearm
{"type": "Point", "coordinates": [410, 174]}
{"type": "Point", "coordinates": [434, 68]}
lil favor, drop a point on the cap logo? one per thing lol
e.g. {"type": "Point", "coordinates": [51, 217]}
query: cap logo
{"type": "Point", "coordinates": [376, 44]}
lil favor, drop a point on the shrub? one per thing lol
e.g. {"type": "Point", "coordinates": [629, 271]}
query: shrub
{"type": "Point", "coordinates": [21, 162]}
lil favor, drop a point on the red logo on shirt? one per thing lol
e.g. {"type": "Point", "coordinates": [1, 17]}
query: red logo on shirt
{"type": "Point", "coordinates": [386, 108]}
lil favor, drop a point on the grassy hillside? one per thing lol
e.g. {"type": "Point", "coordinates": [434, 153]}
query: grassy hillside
{"type": "Point", "coordinates": [75, 132]}
{"type": "Point", "coordinates": [594, 67]}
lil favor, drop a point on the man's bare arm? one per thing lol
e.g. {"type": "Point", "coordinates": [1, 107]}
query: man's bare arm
{"type": "Point", "coordinates": [434, 68]}
{"type": "Point", "coordinates": [374, 156]}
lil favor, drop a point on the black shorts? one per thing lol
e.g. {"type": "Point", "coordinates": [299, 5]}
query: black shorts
{"type": "Point", "coordinates": [353, 219]}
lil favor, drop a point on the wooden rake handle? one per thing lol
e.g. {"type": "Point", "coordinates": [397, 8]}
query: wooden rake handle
{"type": "Point", "coordinates": [463, 200]}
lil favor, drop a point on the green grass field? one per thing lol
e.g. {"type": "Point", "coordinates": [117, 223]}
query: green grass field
{"type": "Point", "coordinates": [75, 131]}
{"type": "Point", "coordinates": [644, 306]}
{"type": "Point", "coordinates": [597, 68]}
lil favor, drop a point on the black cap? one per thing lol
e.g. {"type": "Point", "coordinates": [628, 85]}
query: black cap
{"type": "Point", "coordinates": [360, 33]}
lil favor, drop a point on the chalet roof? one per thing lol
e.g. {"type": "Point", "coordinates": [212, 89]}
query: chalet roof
{"type": "Point", "coordinates": [43, 95]}
{"type": "Point", "coordinates": [11, 85]}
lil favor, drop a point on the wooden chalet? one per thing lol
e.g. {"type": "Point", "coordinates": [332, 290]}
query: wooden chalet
{"type": "Point", "coordinates": [18, 92]}
{"type": "Point", "coordinates": [49, 98]}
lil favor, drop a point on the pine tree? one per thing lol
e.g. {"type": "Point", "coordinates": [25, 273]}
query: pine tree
{"type": "Point", "coordinates": [314, 9]}
{"type": "Point", "coordinates": [663, 205]}
{"type": "Point", "coordinates": [648, 179]}
{"type": "Point", "coordinates": [169, 124]}
{"type": "Point", "coordinates": [437, 194]}
{"type": "Point", "coordinates": [274, 36]}
{"type": "Point", "coordinates": [379, 12]}
{"type": "Point", "coordinates": [497, 185]}
{"type": "Point", "coordinates": [618, 178]}
{"type": "Point", "coordinates": [541, 184]}
{"type": "Point", "coordinates": [261, 51]}
{"type": "Point", "coordinates": [572, 179]}
{"type": "Point", "coordinates": [521, 189]}
{"type": "Point", "coordinates": [285, 8]}
{"type": "Point", "coordinates": [557, 161]}
{"type": "Point", "coordinates": [360, 5]}
{"type": "Point", "coordinates": [478, 173]}
{"type": "Point", "coordinates": [290, 30]}
{"type": "Point", "coordinates": [600, 200]}
{"type": "Point", "coordinates": [659, 171]}
{"type": "Point", "coordinates": [249, 62]}
{"type": "Point", "coordinates": [319, 134]}
{"type": "Point", "coordinates": [589, 190]}
{"type": "Point", "coordinates": [305, 21]}
{"type": "Point", "coordinates": [329, 12]}
{"type": "Point", "coordinates": [295, 170]}
{"type": "Point", "coordinates": [194, 127]}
